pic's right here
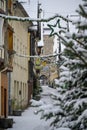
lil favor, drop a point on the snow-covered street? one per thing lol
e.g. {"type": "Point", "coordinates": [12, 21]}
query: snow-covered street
{"type": "Point", "coordinates": [31, 121]}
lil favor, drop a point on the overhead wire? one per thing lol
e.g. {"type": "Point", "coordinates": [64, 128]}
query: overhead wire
{"type": "Point", "coordinates": [38, 56]}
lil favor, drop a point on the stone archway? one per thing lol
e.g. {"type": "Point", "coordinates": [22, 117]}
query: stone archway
{"type": "Point", "coordinates": [43, 80]}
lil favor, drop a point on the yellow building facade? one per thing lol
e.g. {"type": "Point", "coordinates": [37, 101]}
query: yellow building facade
{"type": "Point", "coordinates": [19, 77]}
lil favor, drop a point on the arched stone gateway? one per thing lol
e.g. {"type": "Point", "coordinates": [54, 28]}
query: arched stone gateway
{"type": "Point", "coordinates": [43, 80]}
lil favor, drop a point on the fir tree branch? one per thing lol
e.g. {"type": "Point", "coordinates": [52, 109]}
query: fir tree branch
{"type": "Point", "coordinates": [82, 11]}
{"type": "Point", "coordinates": [67, 45]}
{"type": "Point", "coordinates": [79, 42]}
{"type": "Point", "coordinates": [80, 57]}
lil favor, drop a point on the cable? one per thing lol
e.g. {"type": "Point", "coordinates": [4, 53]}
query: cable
{"type": "Point", "coordinates": [33, 19]}
{"type": "Point", "coordinates": [36, 56]}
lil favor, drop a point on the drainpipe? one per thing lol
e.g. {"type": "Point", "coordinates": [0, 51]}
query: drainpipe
{"type": "Point", "coordinates": [9, 93]}
{"type": "Point", "coordinates": [6, 62]}
{"type": "Point", "coordinates": [6, 39]}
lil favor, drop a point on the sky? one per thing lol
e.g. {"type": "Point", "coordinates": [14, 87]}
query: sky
{"type": "Point", "coordinates": [52, 7]}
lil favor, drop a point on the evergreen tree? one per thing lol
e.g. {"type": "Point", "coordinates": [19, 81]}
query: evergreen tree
{"type": "Point", "coordinates": [69, 108]}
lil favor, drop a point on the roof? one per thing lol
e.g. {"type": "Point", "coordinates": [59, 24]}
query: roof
{"type": "Point", "coordinates": [19, 5]}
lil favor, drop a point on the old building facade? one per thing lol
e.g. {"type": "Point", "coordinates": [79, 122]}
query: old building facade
{"type": "Point", "coordinates": [17, 43]}
{"type": "Point", "coordinates": [5, 58]}
{"type": "Point", "coordinates": [14, 66]}
{"type": "Point", "coordinates": [49, 71]}
{"type": "Point", "coordinates": [19, 78]}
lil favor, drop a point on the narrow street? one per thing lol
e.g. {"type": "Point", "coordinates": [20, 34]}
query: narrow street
{"type": "Point", "coordinates": [30, 121]}
{"type": "Point", "coordinates": [43, 43]}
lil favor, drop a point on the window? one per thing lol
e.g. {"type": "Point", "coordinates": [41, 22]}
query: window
{"type": "Point", "coordinates": [15, 89]}
{"type": "Point", "coordinates": [10, 39]}
{"type": "Point", "coordinates": [9, 5]}
{"type": "Point", "coordinates": [2, 4]}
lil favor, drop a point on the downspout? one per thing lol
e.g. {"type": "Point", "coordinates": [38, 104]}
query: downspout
{"type": "Point", "coordinates": [9, 93]}
{"type": "Point", "coordinates": [6, 63]}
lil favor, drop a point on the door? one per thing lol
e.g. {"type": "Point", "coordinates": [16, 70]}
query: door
{"type": "Point", "coordinates": [5, 103]}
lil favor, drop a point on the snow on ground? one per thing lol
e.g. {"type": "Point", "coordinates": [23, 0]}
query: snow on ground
{"type": "Point", "coordinates": [30, 121]}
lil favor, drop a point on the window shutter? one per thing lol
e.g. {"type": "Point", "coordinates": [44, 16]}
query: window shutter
{"type": "Point", "coordinates": [9, 5]}
{"type": "Point", "coordinates": [10, 40]}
